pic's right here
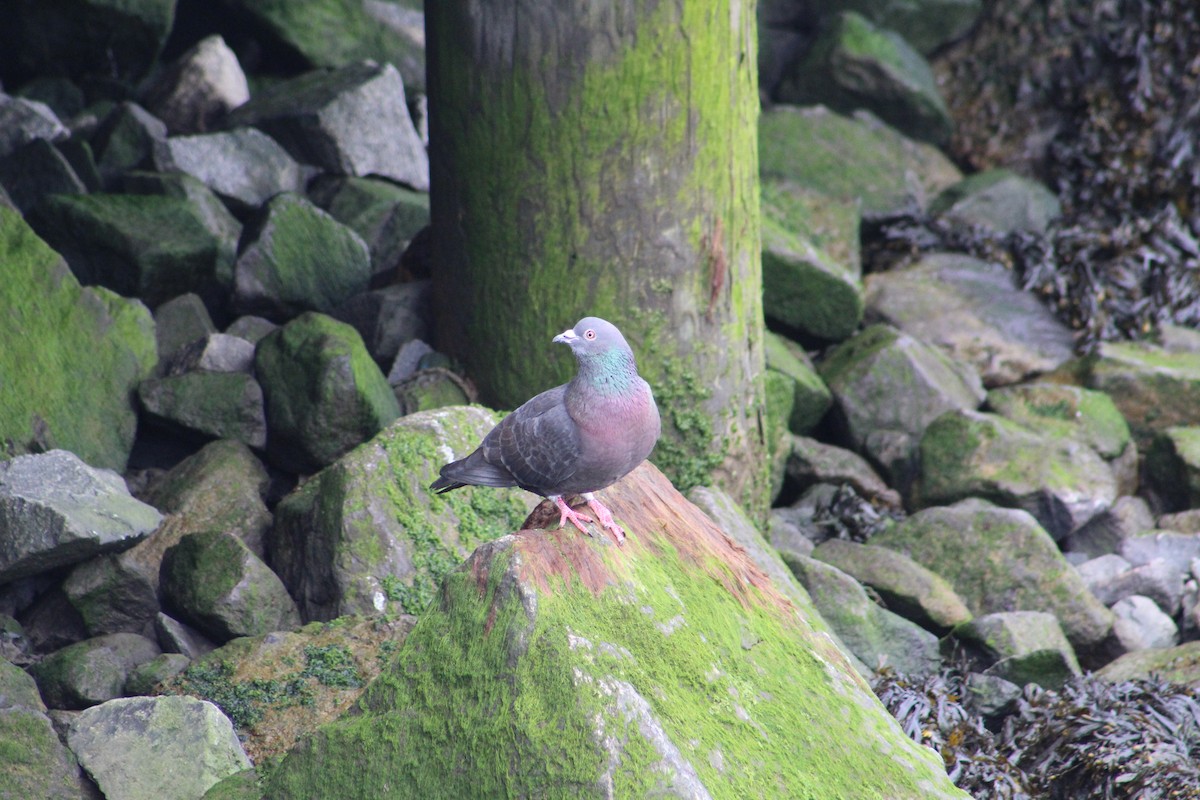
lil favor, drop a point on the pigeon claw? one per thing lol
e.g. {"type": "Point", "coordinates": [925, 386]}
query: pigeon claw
{"type": "Point", "coordinates": [605, 517]}
{"type": "Point", "coordinates": [568, 514]}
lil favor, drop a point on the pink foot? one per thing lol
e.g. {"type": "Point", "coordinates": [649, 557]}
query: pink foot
{"type": "Point", "coordinates": [568, 514]}
{"type": "Point", "coordinates": [605, 517]}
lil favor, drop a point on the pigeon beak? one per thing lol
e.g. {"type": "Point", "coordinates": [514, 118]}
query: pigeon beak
{"type": "Point", "coordinates": [566, 337]}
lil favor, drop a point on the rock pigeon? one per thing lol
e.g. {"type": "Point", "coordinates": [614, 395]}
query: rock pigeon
{"type": "Point", "coordinates": [573, 439]}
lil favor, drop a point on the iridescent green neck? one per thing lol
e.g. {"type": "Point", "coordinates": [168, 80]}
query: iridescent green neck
{"type": "Point", "coordinates": [610, 372]}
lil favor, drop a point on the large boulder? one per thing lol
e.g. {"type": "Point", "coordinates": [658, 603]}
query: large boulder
{"type": "Point", "coordinates": [70, 356]}
{"type": "Point", "coordinates": [559, 664]}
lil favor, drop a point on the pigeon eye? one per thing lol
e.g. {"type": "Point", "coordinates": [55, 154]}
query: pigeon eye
{"type": "Point", "coordinates": [589, 334]}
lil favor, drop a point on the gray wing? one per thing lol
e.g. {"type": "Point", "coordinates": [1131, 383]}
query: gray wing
{"type": "Point", "coordinates": [538, 444]}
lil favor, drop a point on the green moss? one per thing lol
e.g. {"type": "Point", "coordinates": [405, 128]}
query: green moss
{"type": "Point", "coordinates": [244, 702]}
{"type": "Point", "coordinates": [496, 695]}
{"type": "Point", "coordinates": [331, 665]}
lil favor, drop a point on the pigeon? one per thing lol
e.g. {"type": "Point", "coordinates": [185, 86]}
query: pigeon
{"type": "Point", "coordinates": [573, 439]}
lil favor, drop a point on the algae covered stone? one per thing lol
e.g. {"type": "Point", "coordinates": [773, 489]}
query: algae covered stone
{"type": "Point", "coordinates": [558, 665]}
{"type": "Point", "coordinates": [365, 535]}
{"type": "Point", "coordinates": [69, 356]}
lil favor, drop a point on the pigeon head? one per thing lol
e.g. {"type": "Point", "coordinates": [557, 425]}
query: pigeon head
{"type": "Point", "coordinates": [603, 355]}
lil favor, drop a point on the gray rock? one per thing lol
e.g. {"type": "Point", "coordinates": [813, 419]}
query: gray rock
{"type": "Point", "coordinates": [251, 328]}
{"type": "Point", "coordinates": [50, 623]}
{"type": "Point", "coordinates": [374, 502]}
{"type": "Point", "coordinates": [213, 581]}
{"type": "Point", "coordinates": [888, 387]}
{"type": "Point", "coordinates": [177, 637]}
{"type": "Point", "coordinates": [215, 352]}
{"type": "Point", "coordinates": [795, 272]}
{"type": "Point", "coordinates": [811, 461]}
{"type": "Point", "coordinates": [323, 392]}
{"type": "Point", "coordinates": [1172, 467]}
{"type": "Point", "coordinates": [811, 398]}
{"type": "Point", "coordinates": [220, 487]}
{"type": "Point", "coordinates": [145, 677]}
{"type": "Point", "coordinates": [906, 587]}
{"type": "Point", "coordinates": [974, 311]}
{"type": "Point", "coordinates": [1102, 569]}
{"type": "Point", "coordinates": [388, 318]}
{"type": "Point", "coordinates": [1062, 482]}
{"type": "Point", "coordinates": [436, 387]}
{"type": "Point", "coordinates": [992, 695]}
{"type": "Point", "coordinates": [1153, 387]}
{"type": "Point", "coordinates": [18, 689]}
{"type": "Point", "coordinates": [244, 166]}
{"type": "Point", "coordinates": [156, 748]}
{"type": "Point", "coordinates": [34, 170]}
{"type": "Point", "coordinates": [55, 510]}
{"type": "Point", "coordinates": [925, 24]}
{"type": "Point", "coordinates": [1000, 559]}
{"type": "Point", "coordinates": [999, 200]}
{"type": "Point", "coordinates": [884, 170]}
{"type": "Point", "coordinates": [126, 140]}
{"type": "Point", "coordinates": [876, 636]}
{"type": "Point", "coordinates": [22, 121]}
{"type": "Point", "coordinates": [91, 671]}
{"type": "Point", "coordinates": [222, 405]}
{"type": "Point", "coordinates": [1158, 580]}
{"type": "Point", "coordinates": [388, 217]}
{"type": "Point", "coordinates": [349, 121]}
{"type": "Point", "coordinates": [1140, 624]}
{"type": "Point", "coordinates": [113, 594]}
{"type": "Point", "coordinates": [154, 248]}
{"type": "Point", "coordinates": [1178, 549]}
{"type": "Point", "coordinates": [791, 533]}
{"type": "Point", "coordinates": [1181, 521]}
{"type": "Point", "coordinates": [408, 360]}
{"type": "Point", "coordinates": [196, 91]}
{"type": "Point", "coordinates": [297, 258]}
{"type": "Point", "coordinates": [179, 322]}
{"type": "Point", "coordinates": [1106, 531]}
{"type": "Point", "coordinates": [853, 64]}
{"type": "Point", "coordinates": [35, 764]}
{"type": "Point", "coordinates": [1021, 647]}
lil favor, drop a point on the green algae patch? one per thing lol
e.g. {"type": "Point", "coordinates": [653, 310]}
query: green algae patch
{"type": "Point", "coordinates": [70, 357]}
{"type": "Point", "coordinates": [557, 665]}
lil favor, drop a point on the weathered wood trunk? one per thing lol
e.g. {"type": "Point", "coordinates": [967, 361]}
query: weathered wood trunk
{"type": "Point", "coordinates": [601, 159]}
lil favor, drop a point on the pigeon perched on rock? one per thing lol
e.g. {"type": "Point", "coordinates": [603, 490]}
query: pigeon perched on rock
{"type": "Point", "coordinates": [573, 439]}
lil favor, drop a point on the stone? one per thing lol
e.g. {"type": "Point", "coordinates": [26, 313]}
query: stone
{"type": "Point", "coordinates": [810, 461]}
{"type": "Point", "coordinates": [1154, 388]}
{"type": "Point", "coordinates": [126, 140]}
{"type": "Point", "coordinates": [351, 120]}
{"type": "Point", "coordinates": [408, 360]}
{"type": "Point", "coordinates": [34, 170]}
{"type": "Point", "coordinates": [888, 386]}
{"type": "Point", "coordinates": [72, 389]}
{"type": "Point", "coordinates": [1000, 201]}
{"type": "Point", "coordinates": [787, 534]}
{"type": "Point", "coordinates": [975, 312]}
{"type": "Point", "coordinates": [853, 64]}
{"type": "Point", "coordinates": [244, 166]}
{"type": "Point", "coordinates": [214, 352]}
{"type": "Point", "coordinates": [1106, 531]}
{"type": "Point", "coordinates": [324, 394]}
{"type": "Point", "coordinates": [1178, 549]}
{"type": "Point", "coordinates": [387, 217]}
{"type": "Point", "coordinates": [1158, 580]}
{"type": "Point", "coordinates": [304, 678]}
{"type": "Point", "coordinates": [177, 323]}
{"type": "Point", "coordinates": [607, 652]}
{"type": "Point", "coordinates": [1000, 559]}
{"type": "Point", "coordinates": [926, 25]}
{"type": "Point", "coordinates": [22, 121]}
{"type": "Point", "coordinates": [251, 328]}
{"type": "Point", "coordinates": [56, 511]}
{"type": "Point", "coordinates": [144, 678]}
{"type": "Point", "coordinates": [1062, 482]}
{"type": "Point", "coordinates": [365, 536]}
{"type": "Point", "coordinates": [432, 388]}
{"type": "Point", "coordinates": [1179, 664]}
{"type": "Point", "coordinates": [213, 581]}
{"type": "Point", "coordinates": [906, 587]}
{"type": "Point", "coordinates": [219, 405]}
{"type": "Point", "coordinates": [1140, 624]}
{"type": "Point", "coordinates": [1172, 467]}
{"type": "Point", "coordinates": [170, 748]}
{"type": "Point", "coordinates": [1021, 647]}
{"type": "Point", "coordinates": [91, 671]}
{"type": "Point", "coordinates": [811, 398]}
{"type": "Point", "coordinates": [876, 164]}
{"type": "Point", "coordinates": [195, 92]}
{"type": "Point", "coordinates": [387, 318]}
{"type": "Point", "coordinates": [33, 760]}
{"type": "Point", "coordinates": [154, 248]}
{"type": "Point", "coordinates": [177, 637]}
{"type": "Point", "coordinates": [112, 594]}
{"type": "Point", "coordinates": [795, 274]}
{"type": "Point", "coordinates": [297, 258]}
